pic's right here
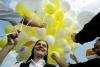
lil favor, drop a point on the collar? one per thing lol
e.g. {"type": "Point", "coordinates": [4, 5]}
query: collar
{"type": "Point", "coordinates": [40, 62]}
{"type": "Point", "coordinates": [98, 57]}
{"type": "Point", "coordinates": [93, 56]}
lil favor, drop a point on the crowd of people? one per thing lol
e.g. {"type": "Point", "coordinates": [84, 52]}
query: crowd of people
{"type": "Point", "coordinates": [39, 54]}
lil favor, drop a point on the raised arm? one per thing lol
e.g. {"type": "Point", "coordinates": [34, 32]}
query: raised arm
{"type": "Point", "coordinates": [59, 61]}
{"type": "Point", "coordinates": [12, 41]}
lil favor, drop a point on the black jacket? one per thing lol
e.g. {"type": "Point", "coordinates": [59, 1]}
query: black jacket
{"type": "Point", "coordinates": [27, 65]}
{"type": "Point", "coordinates": [90, 30]}
{"type": "Point", "coordinates": [91, 63]}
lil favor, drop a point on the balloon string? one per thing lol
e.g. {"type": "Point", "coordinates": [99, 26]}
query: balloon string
{"type": "Point", "coordinates": [21, 28]}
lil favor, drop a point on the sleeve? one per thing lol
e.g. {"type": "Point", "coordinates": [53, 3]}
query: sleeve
{"type": "Point", "coordinates": [17, 64]}
{"type": "Point", "coordinates": [9, 15]}
{"type": "Point", "coordinates": [90, 31]}
{"type": "Point", "coordinates": [49, 65]}
{"type": "Point", "coordinates": [79, 65]}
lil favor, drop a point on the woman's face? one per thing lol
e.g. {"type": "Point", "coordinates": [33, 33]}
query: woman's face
{"type": "Point", "coordinates": [97, 48]}
{"type": "Point", "coordinates": [41, 48]}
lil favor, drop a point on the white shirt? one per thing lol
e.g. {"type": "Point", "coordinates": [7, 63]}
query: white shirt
{"type": "Point", "coordinates": [40, 63]}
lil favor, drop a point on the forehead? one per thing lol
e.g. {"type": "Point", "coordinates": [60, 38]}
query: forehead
{"type": "Point", "coordinates": [43, 42]}
{"type": "Point", "coordinates": [97, 44]}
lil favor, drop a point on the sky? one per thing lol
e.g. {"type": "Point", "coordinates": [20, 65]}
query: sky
{"type": "Point", "coordinates": [77, 6]}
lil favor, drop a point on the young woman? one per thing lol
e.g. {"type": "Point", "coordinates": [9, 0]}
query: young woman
{"type": "Point", "coordinates": [38, 56]}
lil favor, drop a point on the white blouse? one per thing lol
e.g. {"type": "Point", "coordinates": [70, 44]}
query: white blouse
{"type": "Point", "coordinates": [40, 63]}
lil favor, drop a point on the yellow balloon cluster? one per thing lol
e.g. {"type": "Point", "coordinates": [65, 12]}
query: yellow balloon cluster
{"type": "Point", "coordinates": [54, 16]}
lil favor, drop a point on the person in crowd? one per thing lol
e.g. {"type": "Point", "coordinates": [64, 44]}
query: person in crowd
{"type": "Point", "coordinates": [73, 57]}
{"type": "Point", "coordinates": [38, 57]}
{"type": "Point", "coordinates": [89, 63]}
{"type": "Point", "coordinates": [7, 14]}
{"type": "Point", "coordinates": [89, 32]}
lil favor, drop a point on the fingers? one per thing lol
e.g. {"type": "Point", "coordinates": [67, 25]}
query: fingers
{"type": "Point", "coordinates": [43, 25]}
{"type": "Point", "coordinates": [54, 55]}
{"type": "Point", "coordinates": [13, 38]}
{"type": "Point", "coordinates": [73, 37]}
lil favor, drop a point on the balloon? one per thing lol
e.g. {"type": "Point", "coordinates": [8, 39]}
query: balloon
{"type": "Point", "coordinates": [59, 15]}
{"type": "Point", "coordinates": [22, 49]}
{"type": "Point", "coordinates": [21, 9]}
{"type": "Point", "coordinates": [23, 37]}
{"type": "Point", "coordinates": [84, 17]}
{"type": "Point", "coordinates": [54, 49]}
{"type": "Point", "coordinates": [58, 49]}
{"type": "Point", "coordinates": [3, 42]}
{"type": "Point", "coordinates": [9, 29]}
{"type": "Point", "coordinates": [61, 32]}
{"type": "Point", "coordinates": [34, 5]}
{"type": "Point", "coordinates": [49, 8]}
{"type": "Point", "coordinates": [65, 6]}
{"type": "Point", "coordinates": [34, 38]}
{"type": "Point", "coordinates": [69, 40]}
{"type": "Point", "coordinates": [40, 32]}
{"type": "Point", "coordinates": [68, 22]}
{"type": "Point", "coordinates": [50, 60]}
{"type": "Point", "coordinates": [24, 52]}
{"type": "Point", "coordinates": [56, 3]}
{"type": "Point", "coordinates": [50, 39]}
{"type": "Point", "coordinates": [29, 43]}
{"type": "Point", "coordinates": [65, 45]}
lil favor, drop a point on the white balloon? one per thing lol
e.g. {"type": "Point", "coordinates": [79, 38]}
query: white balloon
{"type": "Point", "coordinates": [61, 32]}
{"type": "Point", "coordinates": [34, 5]}
{"type": "Point", "coordinates": [22, 49]}
{"type": "Point", "coordinates": [34, 38]}
{"type": "Point", "coordinates": [84, 17]}
{"type": "Point", "coordinates": [68, 22]}
{"type": "Point", "coordinates": [64, 43]}
{"type": "Point", "coordinates": [50, 39]}
{"type": "Point", "coordinates": [39, 32]}
{"type": "Point", "coordinates": [65, 6]}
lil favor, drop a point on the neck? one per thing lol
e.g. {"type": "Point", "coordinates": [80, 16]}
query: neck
{"type": "Point", "coordinates": [37, 58]}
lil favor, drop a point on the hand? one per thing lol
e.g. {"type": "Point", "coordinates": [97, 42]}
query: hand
{"type": "Point", "coordinates": [54, 55]}
{"type": "Point", "coordinates": [43, 25]}
{"type": "Point", "coordinates": [32, 23]}
{"type": "Point", "coordinates": [13, 38]}
{"type": "Point", "coordinates": [73, 37]}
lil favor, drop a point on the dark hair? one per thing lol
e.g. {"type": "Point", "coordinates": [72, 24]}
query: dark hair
{"type": "Point", "coordinates": [32, 54]}
{"type": "Point", "coordinates": [98, 39]}
{"type": "Point", "coordinates": [95, 44]}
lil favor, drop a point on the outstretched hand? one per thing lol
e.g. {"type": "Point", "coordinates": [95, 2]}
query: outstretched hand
{"type": "Point", "coordinates": [32, 23]}
{"type": "Point", "coordinates": [73, 37]}
{"type": "Point", "coordinates": [54, 56]}
{"type": "Point", "coordinates": [13, 38]}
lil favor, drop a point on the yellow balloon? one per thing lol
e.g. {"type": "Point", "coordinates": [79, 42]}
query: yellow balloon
{"type": "Point", "coordinates": [21, 9]}
{"type": "Point", "coordinates": [57, 3]}
{"type": "Point", "coordinates": [50, 60]}
{"type": "Point", "coordinates": [69, 40]}
{"type": "Point", "coordinates": [49, 8]}
{"type": "Point", "coordinates": [9, 29]}
{"type": "Point", "coordinates": [55, 49]}
{"type": "Point", "coordinates": [59, 15]}
{"type": "Point", "coordinates": [3, 42]}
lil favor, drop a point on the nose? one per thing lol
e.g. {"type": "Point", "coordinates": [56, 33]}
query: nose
{"type": "Point", "coordinates": [41, 45]}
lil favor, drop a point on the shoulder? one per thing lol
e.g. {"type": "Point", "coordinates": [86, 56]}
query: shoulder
{"type": "Point", "coordinates": [24, 65]}
{"type": "Point", "coordinates": [49, 65]}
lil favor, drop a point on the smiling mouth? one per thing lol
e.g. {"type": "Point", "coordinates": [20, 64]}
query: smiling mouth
{"type": "Point", "coordinates": [41, 49]}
